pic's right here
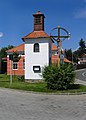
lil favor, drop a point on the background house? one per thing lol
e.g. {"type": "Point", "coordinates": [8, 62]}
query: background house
{"type": "Point", "coordinates": [17, 67]}
{"type": "Point", "coordinates": [82, 59]}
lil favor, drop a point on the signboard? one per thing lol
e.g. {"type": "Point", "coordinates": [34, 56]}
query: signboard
{"type": "Point", "coordinates": [61, 58]}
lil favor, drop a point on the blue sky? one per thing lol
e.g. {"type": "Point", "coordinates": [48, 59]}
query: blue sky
{"type": "Point", "coordinates": [16, 19]}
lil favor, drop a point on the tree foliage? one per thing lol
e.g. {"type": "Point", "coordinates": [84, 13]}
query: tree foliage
{"type": "Point", "coordinates": [4, 49]}
{"type": "Point", "coordinates": [68, 54]}
{"type": "Point", "coordinates": [82, 44]}
{"type": "Point", "coordinates": [82, 48]}
{"type": "Point", "coordinates": [78, 53]}
{"type": "Point", "coordinates": [16, 57]}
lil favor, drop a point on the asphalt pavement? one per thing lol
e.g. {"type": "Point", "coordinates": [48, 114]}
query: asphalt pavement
{"type": "Point", "coordinates": [81, 74]}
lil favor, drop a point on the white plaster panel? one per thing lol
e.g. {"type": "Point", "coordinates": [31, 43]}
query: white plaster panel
{"type": "Point", "coordinates": [36, 59]}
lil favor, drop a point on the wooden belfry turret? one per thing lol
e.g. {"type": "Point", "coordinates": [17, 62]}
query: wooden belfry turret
{"type": "Point", "coordinates": [38, 21]}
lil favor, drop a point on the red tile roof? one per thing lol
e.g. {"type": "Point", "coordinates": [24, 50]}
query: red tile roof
{"type": "Point", "coordinates": [17, 48]}
{"type": "Point", "coordinates": [36, 34]}
{"type": "Point", "coordinates": [38, 12]}
{"type": "Point", "coordinates": [54, 47]}
{"type": "Point", "coordinates": [56, 58]}
{"type": "Point", "coordinates": [66, 60]}
{"type": "Point", "coordinates": [84, 55]}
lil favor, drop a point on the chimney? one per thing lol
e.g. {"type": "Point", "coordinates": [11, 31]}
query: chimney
{"type": "Point", "coordinates": [38, 21]}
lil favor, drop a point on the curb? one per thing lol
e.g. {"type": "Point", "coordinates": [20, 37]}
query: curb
{"type": "Point", "coordinates": [44, 93]}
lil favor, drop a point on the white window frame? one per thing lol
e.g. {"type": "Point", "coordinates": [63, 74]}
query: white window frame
{"type": "Point", "coordinates": [16, 67]}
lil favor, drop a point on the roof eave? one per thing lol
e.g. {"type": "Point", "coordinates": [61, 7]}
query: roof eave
{"type": "Point", "coordinates": [33, 38]}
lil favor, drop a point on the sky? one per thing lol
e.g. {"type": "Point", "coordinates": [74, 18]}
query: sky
{"type": "Point", "coordinates": [16, 19]}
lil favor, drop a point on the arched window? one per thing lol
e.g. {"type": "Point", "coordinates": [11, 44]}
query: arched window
{"type": "Point", "coordinates": [36, 47]}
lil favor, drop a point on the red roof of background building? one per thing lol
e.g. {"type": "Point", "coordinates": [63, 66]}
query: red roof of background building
{"type": "Point", "coordinates": [36, 34]}
{"type": "Point", "coordinates": [54, 47]}
{"type": "Point", "coordinates": [84, 55]}
{"type": "Point", "coordinates": [17, 48]}
{"type": "Point", "coordinates": [55, 59]}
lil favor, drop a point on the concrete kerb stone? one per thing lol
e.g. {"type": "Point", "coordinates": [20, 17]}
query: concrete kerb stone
{"type": "Point", "coordinates": [77, 81]}
{"type": "Point", "coordinates": [44, 93]}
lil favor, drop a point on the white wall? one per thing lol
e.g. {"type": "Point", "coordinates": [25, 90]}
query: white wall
{"type": "Point", "coordinates": [36, 58]}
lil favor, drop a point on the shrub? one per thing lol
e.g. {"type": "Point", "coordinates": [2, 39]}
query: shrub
{"type": "Point", "coordinates": [21, 78]}
{"type": "Point", "coordinates": [58, 77]}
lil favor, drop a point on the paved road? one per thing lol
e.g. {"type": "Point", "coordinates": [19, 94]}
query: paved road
{"type": "Point", "coordinates": [81, 74]}
{"type": "Point", "coordinates": [17, 105]}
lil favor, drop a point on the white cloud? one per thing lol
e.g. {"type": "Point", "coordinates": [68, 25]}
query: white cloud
{"type": "Point", "coordinates": [80, 13]}
{"type": "Point", "coordinates": [1, 34]}
{"type": "Point", "coordinates": [84, 0]}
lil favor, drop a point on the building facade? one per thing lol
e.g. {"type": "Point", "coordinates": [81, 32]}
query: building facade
{"type": "Point", "coordinates": [82, 59]}
{"type": "Point", "coordinates": [37, 49]}
{"type": "Point", "coordinates": [17, 68]}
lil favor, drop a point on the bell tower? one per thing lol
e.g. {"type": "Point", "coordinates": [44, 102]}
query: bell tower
{"type": "Point", "coordinates": [37, 49]}
{"type": "Point", "coordinates": [38, 21]}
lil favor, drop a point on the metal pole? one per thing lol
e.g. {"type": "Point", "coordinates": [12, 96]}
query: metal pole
{"type": "Point", "coordinates": [10, 72]}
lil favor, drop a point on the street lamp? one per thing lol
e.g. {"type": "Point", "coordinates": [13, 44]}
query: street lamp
{"type": "Point", "coordinates": [59, 39]}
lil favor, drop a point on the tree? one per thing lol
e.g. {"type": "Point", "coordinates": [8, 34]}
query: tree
{"type": "Point", "coordinates": [82, 44]}
{"type": "Point", "coordinates": [16, 57]}
{"type": "Point", "coordinates": [80, 51]}
{"type": "Point", "coordinates": [4, 49]}
{"type": "Point", "coordinates": [75, 56]}
{"type": "Point", "coordinates": [68, 54]}
{"type": "Point", "coordinates": [82, 48]}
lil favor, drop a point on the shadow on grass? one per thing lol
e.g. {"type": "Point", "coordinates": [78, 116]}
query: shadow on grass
{"type": "Point", "coordinates": [74, 86]}
{"type": "Point", "coordinates": [4, 81]}
{"type": "Point", "coordinates": [1, 77]}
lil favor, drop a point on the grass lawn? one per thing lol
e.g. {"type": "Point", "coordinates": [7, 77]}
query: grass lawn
{"type": "Point", "coordinates": [36, 87]}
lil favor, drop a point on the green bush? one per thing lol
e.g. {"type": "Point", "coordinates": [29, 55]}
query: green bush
{"type": "Point", "coordinates": [58, 77]}
{"type": "Point", "coordinates": [21, 78]}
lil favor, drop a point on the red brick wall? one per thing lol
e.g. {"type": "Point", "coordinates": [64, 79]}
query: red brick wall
{"type": "Point", "coordinates": [54, 58]}
{"type": "Point", "coordinates": [19, 71]}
